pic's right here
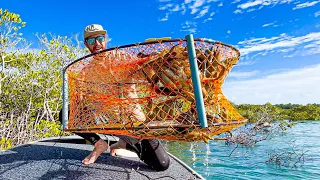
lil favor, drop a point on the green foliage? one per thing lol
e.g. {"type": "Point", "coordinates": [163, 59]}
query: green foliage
{"type": "Point", "coordinates": [31, 82]}
{"type": "Point", "coordinates": [5, 143]}
{"type": "Point", "coordinates": [281, 111]}
{"type": "Point", "coordinates": [10, 23]}
{"type": "Point", "coordinates": [48, 129]}
{"type": "Point", "coordinates": [6, 15]}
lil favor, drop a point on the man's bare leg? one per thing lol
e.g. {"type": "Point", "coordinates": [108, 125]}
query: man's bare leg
{"type": "Point", "coordinates": [99, 147]}
{"type": "Point", "coordinates": [121, 144]}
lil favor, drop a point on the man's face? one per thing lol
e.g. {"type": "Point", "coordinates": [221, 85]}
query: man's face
{"type": "Point", "coordinates": [95, 42]}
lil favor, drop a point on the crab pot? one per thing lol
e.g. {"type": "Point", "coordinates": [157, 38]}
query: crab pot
{"type": "Point", "coordinates": [166, 89]}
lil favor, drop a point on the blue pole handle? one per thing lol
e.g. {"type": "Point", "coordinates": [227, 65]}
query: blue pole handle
{"type": "Point", "coordinates": [64, 100]}
{"type": "Point", "coordinates": [196, 81]}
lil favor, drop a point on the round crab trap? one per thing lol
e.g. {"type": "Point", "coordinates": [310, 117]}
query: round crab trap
{"type": "Point", "coordinates": [162, 88]}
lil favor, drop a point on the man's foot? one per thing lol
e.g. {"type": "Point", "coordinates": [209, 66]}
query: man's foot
{"type": "Point", "coordinates": [99, 147]}
{"type": "Point", "coordinates": [121, 144]}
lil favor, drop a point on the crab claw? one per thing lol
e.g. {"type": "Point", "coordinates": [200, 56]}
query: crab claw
{"type": "Point", "coordinates": [206, 138]}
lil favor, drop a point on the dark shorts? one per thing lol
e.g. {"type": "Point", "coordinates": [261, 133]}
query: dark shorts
{"type": "Point", "coordinates": [150, 151]}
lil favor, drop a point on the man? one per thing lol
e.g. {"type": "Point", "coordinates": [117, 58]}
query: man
{"type": "Point", "coordinates": [149, 151]}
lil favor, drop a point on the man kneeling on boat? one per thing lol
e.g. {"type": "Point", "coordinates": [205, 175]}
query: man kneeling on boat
{"type": "Point", "coordinates": [149, 151]}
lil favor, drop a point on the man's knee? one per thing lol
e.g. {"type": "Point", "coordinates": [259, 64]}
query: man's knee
{"type": "Point", "coordinates": [155, 155]}
{"type": "Point", "coordinates": [164, 164]}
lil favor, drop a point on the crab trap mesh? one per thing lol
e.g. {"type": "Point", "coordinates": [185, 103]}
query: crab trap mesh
{"type": "Point", "coordinates": [148, 90]}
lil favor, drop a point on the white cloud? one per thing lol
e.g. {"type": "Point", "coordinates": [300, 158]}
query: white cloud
{"type": "Point", "coordinates": [238, 11]}
{"type": "Point", "coordinates": [189, 27]}
{"type": "Point", "coordinates": [286, 50]}
{"type": "Point", "coordinates": [191, 30]}
{"type": "Point", "coordinates": [165, 18]}
{"type": "Point", "coordinates": [206, 20]}
{"type": "Point", "coordinates": [229, 32]}
{"type": "Point", "coordinates": [176, 8]}
{"type": "Point", "coordinates": [306, 4]}
{"type": "Point", "coordinates": [316, 14]}
{"type": "Point", "coordinates": [311, 51]}
{"type": "Point", "coordinates": [235, 1]}
{"type": "Point", "coordinates": [243, 62]}
{"type": "Point", "coordinates": [197, 8]}
{"type": "Point", "coordinates": [313, 45]}
{"type": "Point", "coordinates": [189, 24]}
{"type": "Point", "coordinates": [295, 86]}
{"type": "Point", "coordinates": [165, 7]}
{"type": "Point", "coordinates": [194, 10]}
{"type": "Point", "coordinates": [261, 3]}
{"type": "Point", "coordinates": [221, 4]}
{"type": "Point", "coordinates": [203, 12]}
{"type": "Point", "coordinates": [269, 24]}
{"type": "Point", "coordinates": [294, 20]}
{"type": "Point", "coordinates": [250, 4]}
{"type": "Point", "coordinates": [183, 8]}
{"type": "Point", "coordinates": [239, 74]}
{"type": "Point", "coordinates": [196, 5]}
{"type": "Point", "coordinates": [171, 8]}
{"type": "Point", "coordinates": [279, 42]}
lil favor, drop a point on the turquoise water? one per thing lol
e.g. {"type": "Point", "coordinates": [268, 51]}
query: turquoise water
{"type": "Point", "coordinates": [212, 161]}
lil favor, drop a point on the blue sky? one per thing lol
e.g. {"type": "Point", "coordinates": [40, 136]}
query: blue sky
{"type": "Point", "coordinates": [279, 39]}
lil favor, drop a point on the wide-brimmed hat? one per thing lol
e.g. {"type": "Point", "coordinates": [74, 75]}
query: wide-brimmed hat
{"type": "Point", "coordinates": [93, 29]}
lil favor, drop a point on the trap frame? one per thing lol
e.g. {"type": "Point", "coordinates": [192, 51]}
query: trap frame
{"type": "Point", "coordinates": [161, 88]}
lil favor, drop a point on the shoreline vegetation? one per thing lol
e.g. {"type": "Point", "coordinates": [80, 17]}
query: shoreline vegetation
{"type": "Point", "coordinates": [31, 85]}
{"type": "Point", "coordinates": [291, 112]}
